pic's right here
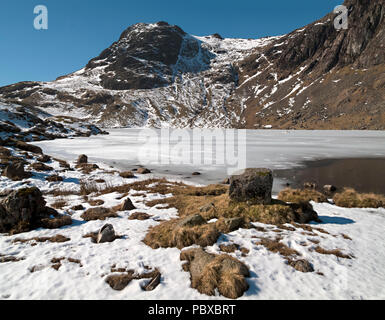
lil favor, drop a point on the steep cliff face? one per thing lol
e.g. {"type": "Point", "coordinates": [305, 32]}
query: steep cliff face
{"type": "Point", "coordinates": [315, 77]}
{"type": "Point", "coordinates": [320, 77]}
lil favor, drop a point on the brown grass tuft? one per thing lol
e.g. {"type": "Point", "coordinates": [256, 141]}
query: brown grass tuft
{"type": "Point", "coordinates": [120, 281]}
{"type": "Point", "coordinates": [277, 247]}
{"type": "Point", "coordinates": [349, 198]}
{"type": "Point", "coordinates": [58, 238]}
{"type": "Point", "coordinates": [96, 202]}
{"type": "Point", "coordinates": [59, 204]}
{"type": "Point", "coordinates": [336, 252]}
{"type": "Point", "coordinates": [209, 272]}
{"type": "Point", "coordinates": [139, 216]}
{"type": "Point", "coordinates": [169, 234]}
{"type": "Point", "coordinates": [229, 248]}
{"type": "Point", "coordinates": [298, 195]}
{"type": "Point", "coordinates": [57, 222]}
{"type": "Point", "coordinates": [98, 213]}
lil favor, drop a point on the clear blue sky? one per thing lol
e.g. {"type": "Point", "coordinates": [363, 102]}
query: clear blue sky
{"type": "Point", "coordinates": [79, 30]}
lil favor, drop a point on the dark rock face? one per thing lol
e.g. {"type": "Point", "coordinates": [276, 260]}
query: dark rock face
{"type": "Point", "coordinates": [24, 207]}
{"type": "Point", "coordinates": [304, 212]}
{"type": "Point", "coordinates": [340, 99]}
{"type": "Point", "coordinates": [254, 186]}
{"type": "Point", "coordinates": [142, 58]}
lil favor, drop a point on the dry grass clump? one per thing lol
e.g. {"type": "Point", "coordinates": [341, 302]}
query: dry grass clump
{"type": "Point", "coordinates": [38, 166]}
{"type": "Point", "coordinates": [172, 234]}
{"type": "Point", "coordinates": [87, 187]}
{"type": "Point", "coordinates": [349, 198]}
{"type": "Point", "coordinates": [310, 229]}
{"type": "Point", "coordinates": [57, 262]}
{"type": "Point", "coordinates": [4, 259]}
{"type": "Point", "coordinates": [336, 252]}
{"type": "Point", "coordinates": [96, 202]}
{"type": "Point", "coordinates": [210, 272]}
{"type": "Point", "coordinates": [214, 202]}
{"type": "Point", "coordinates": [87, 168]}
{"type": "Point", "coordinates": [98, 213]}
{"type": "Point", "coordinates": [63, 164]}
{"type": "Point", "coordinates": [289, 254]}
{"type": "Point", "coordinates": [127, 175]}
{"type": "Point", "coordinates": [139, 216]}
{"type": "Point", "coordinates": [163, 186]}
{"type": "Point", "coordinates": [301, 195]}
{"type": "Point", "coordinates": [58, 239]}
{"type": "Point", "coordinates": [229, 248]}
{"type": "Point", "coordinates": [277, 247]}
{"type": "Point", "coordinates": [57, 222]}
{"type": "Point", "coordinates": [120, 281]}
{"type": "Point", "coordinates": [59, 204]}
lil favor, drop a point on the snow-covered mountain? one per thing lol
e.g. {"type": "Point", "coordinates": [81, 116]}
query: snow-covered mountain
{"type": "Point", "coordinates": [157, 75]}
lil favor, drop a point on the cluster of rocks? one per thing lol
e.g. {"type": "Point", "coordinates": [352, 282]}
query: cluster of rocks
{"type": "Point", "coordinates": [25, 209]}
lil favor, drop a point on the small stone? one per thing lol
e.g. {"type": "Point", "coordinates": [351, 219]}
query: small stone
{"type": "Point", "coordinates": [44, 158]}
{"type": "Point", "coordinates": [328, 188]}
{"type": "Point", "coordinates": [106, 234]}
{"type": "Point", "coordinates": [143, 171]}
{"type": "Point", "coordinates": [82, 159]}
{"type": "Point", "coordinates": [154, 282]}
{"type": "Point", "coordinates": [226, 181]}
{"type": "Point", "coordinates": [310, 185]}
{"type": "Point", "coordinates": [127, 175]}
{"type": "Point", "coordinates": [78, 207]}
{"type": "Point", "coordinates": [127, 205]}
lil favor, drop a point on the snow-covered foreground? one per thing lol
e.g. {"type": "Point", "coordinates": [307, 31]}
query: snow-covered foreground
{"type": "Point", "coordinates": [274, 149]}
{"type": "Point", "coordinates": [356, 232]}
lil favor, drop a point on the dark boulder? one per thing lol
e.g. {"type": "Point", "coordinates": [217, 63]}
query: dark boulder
{"type": "Point", "coordinates": [106, 234]}
{"type": "Point", "coordinates": [253, 186]}
{"type": "Point", "coordinates": [23, 207]}
{"type": "Point", "coordinates": [15, 171]}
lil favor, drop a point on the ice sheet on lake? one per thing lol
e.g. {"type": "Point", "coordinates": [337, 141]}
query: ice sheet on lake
{"type": "Point", "coordinates": [275, 149]}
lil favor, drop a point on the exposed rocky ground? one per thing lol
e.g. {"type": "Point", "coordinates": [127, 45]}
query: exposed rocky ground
{"type": "Point", "coordinates": [24, 124]}
{"type": "Point", "coordinates": [156, 75]}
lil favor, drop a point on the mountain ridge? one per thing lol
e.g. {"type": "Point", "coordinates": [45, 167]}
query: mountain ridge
{"type": "Point", "coordinates": [156, 75]}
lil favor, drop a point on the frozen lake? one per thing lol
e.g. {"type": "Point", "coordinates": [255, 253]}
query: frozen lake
{"type": "Point", "coordinates": [179, 153]}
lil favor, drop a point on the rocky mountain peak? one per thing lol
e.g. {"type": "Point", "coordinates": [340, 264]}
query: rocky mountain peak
{"type": "Point", "coordinates": [141, 58]}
